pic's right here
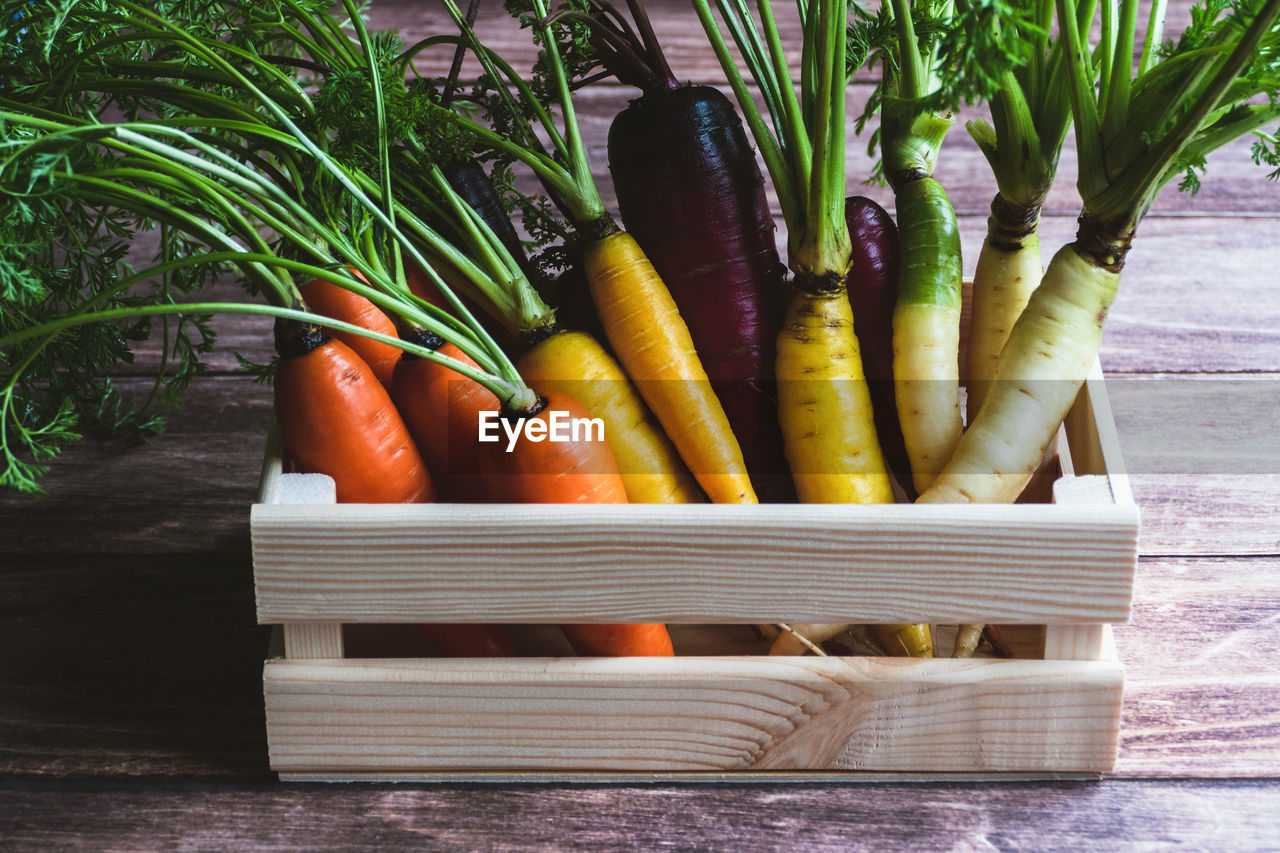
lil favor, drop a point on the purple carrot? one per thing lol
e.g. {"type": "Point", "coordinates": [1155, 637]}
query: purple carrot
{"type": "Point", "coordinates": [873, 292]}
{"type": "Point", "coordinates": [473, 185]}
{"type": "Point", "coordinates": [691, 193]}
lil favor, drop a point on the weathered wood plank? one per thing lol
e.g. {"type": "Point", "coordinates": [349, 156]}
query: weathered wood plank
{"type": "Point", "coordinates": [1202, 666]}
{"type": "Point", "coordinates": [130, 666]}
{"type": "Point", "coordinates": [1203, 460]}
{"type": "Point", "coordinates": [186, 491]}
{"type": "Point", "coordinates": [891, 816]}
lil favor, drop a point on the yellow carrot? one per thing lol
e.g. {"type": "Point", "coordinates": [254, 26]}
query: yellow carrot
{"type": "Point", "coordinates": [574, 364]}
{"type": "Point", "coordinates": [652, 342]}
{"type": "Point", "coordinates": [819, 369]}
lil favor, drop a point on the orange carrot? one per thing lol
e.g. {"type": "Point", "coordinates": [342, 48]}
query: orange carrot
{"type": "Point", "coordinates": [441, 408]}
{"type": "Point", "coordinates": [552, 471]}
{"type": "Point", "coordinates": [570, 472]}
{"type": "Point", "coordinates": [651, 640]}
{"type": "Point", "coordinates": [336, 419]}
{"type": "Point", "coordinates": [338, 303]}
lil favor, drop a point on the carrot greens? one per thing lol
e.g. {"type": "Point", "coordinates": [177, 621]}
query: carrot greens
{"type": "Point", "coordinates": [222, 163]}
{"type": "Point", "coordinates": [1140, 127]}
{"type": "Point", "coordinates": [1031, 114]}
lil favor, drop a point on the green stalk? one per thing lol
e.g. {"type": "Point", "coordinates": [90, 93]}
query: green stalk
{"type": "Point", "coordinates": [505, 367]}
{"type": "Point", "coordinates": [791, 117]}
{"type": "Point", "coordinates": [926, 318]}
{"type": "Point", "coordinates": [805, 160]}
{"type": "Point", "coordinates": [1154, 37]}
{"type": "Point", "coordinates": [231, 173]}
{"type": "Point", "coordinates": [824, 404]}
{"type": "Point", "coordinates": [505, 390]}
{"type": "Point", "coordinates": [1129, 195]}
{"type": "Point", "coordinates": [778, 159]}
{"type": "Point", "coordinates": [570, 179]}
{"type": "Point", "coordinates": [1030, 118]}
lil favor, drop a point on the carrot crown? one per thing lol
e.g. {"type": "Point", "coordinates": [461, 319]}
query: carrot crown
{"type": "Point", "coordinates": [1141, 127]}
{"type": "Point", "coordinates": [1030, 110]}
{"type": "Point", "coordinates": [565, 170]}
{"type": "Point", "coordinates": [803, 146]}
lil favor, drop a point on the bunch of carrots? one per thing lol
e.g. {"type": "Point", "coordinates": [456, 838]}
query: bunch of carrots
{"type": "Point", "coordinates": [371, 209]}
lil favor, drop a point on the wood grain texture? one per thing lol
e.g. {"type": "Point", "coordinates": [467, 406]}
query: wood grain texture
{"type": "Point", "coordinates": [303, 640]}
{"type": "Point", "coordinates": [637, 714]}
{"type": "Point", "coordinates": [130, 666]}
{"type": "Point", "coordinates": [1202, 655]}
{"type": "Point", "coordinates": [892, 816]}
{"type": "Point", "coordinates": [1026, 563]}
{"type": "Point", "coordinates": [1078, 642]}
{"type": "Point", "coordinates": [1200, 697]}
{"type": "Point", "coordinates": [1023, 563]}
{"type": "Point", "coordinates": [187, 491]}
{"type": "Point", "coordinates": [330, 719]}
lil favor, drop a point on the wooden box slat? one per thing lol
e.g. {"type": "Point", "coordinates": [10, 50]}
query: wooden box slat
{"type": "Point", "coordinates": [793, 563]}
{"type": "Point", "coordinates": [692, 714]}
{"type": "Point", "coordinates": [1021, 563]}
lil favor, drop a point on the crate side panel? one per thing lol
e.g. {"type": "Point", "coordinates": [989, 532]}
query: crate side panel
{"type": "Point", "coordinates": [1094, 442]}
{"type": "Point", "coordinates": [801, 563]}
{"type": "Point", "coordinates": [707, 714]}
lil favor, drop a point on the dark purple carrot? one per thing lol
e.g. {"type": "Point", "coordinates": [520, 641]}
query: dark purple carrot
{"type": "Point", "coordinates": [873, 292]}
{"type": "Point", "coordinates": [474, 186]}
{"type": "Point", "coordinates": [691, 193]}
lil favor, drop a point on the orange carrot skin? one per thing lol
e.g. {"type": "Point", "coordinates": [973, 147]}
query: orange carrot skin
{"type": "Point", "coordinates": [336, 419]}
{"type": "Point", "coordinates": [421, 285]}
{"type": "Point", "coordinates": [650, 640]}
{"type": "Point", "coordinates": [552, 472]}
{"type": "Point", "coordinates": [468, 641]}
{"type": "Point", "coordinates": [440, 406]}
{"type": "Point", "coordinates": [338, 303]}
{"type": "Point", "coordinates": [442, 409]}
{"type": "Point", "coordinates": [571, 472]}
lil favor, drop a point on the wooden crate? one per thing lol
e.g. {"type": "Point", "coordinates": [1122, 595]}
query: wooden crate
{"type": "Point", "coordinates": [1064, 570]}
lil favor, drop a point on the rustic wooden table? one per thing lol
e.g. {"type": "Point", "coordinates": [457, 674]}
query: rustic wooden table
{"type": "Point", "coordinates": [130, 663]}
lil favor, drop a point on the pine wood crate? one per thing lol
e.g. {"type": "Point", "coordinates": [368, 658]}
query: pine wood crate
{"type": "Point", "coordinates": [1057, 574]}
